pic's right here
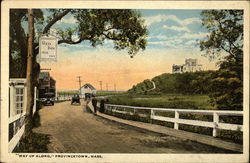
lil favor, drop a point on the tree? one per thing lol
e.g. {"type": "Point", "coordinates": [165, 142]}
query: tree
{"type": "Point", "coordinates": [226, 34]}
{"type": "Point", "coordinates": [124, 27]}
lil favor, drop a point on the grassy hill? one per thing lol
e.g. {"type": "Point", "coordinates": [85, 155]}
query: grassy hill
{"type": "Point", "coordinates": [184, 83]}
{"type": "Point", "coordinates": [184, 91]}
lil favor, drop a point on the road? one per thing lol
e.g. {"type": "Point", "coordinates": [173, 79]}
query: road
{"type": "Point", "coordinates": [73, 129]}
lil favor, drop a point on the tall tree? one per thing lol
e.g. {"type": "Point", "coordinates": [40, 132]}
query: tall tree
{"type": "Point", "coordinates": [226, 34]}
{"type": "Point", "coordinates": [124, 27]}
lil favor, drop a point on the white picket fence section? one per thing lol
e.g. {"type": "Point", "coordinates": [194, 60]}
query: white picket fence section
{"type": "Point", "coordinates": [123, 109]}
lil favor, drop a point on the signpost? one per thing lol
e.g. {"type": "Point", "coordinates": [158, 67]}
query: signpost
{"type": "Point", "coordinates": [47, 48]}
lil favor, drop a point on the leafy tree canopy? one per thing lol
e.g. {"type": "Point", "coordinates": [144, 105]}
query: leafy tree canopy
{"type": "Point", "coordinates": [123, 26]}
{"type": "Point", "coordinates": [226, 34]}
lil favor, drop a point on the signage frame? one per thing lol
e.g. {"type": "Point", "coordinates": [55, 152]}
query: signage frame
{"type": "Point", "coordinates": [51, 38]}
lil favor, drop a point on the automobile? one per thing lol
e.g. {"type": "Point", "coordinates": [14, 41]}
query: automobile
{"type": "Point", "coordinates": [75, 99]}
{"type": "Point", "coordinates": [48, 101]}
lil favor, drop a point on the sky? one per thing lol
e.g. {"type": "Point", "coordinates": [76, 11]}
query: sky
{"type": "Point", "coordinates": [173, 37]}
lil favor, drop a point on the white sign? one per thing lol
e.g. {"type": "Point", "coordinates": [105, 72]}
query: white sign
{"type": "Point", "coordinates": [47, 48]}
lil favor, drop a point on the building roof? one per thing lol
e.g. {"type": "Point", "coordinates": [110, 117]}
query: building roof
{"type": "Point", "coordinates": [89, 85]}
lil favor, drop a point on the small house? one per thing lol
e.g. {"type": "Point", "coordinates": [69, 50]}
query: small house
{"type": "Point", "coordinates": [87, 89]}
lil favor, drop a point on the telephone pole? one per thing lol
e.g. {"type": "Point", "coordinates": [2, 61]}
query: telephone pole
{"type": "Point", "coordinates": [107, 86]}
{"type": "Point", "coordinates": [115, 87]}
{"type": "Point", "coordinates": [79, 80]}
{"type": "Point", "coordinates": [29, 84]}
{"type": "Point", "coordinates": [100, 85]}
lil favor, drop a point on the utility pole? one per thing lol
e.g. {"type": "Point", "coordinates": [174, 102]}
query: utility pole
{"type": "Point", "coordinates": [107, 86]}
{"type": "Point", "coordinates": [115, 87]}
{"type": "Point", "coordinates": [79, 80]}
{"type": "Point", "coordinates": [100, 85]}
{"type": "Point", "coordinates": [29, 83]}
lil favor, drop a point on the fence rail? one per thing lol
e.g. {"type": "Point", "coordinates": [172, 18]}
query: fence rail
{"type": "Point", "coordinates": [17, 130]}
{"type": "Point", "coordinates": [122, 109]}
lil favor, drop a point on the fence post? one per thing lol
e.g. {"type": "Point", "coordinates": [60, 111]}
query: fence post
{"type": "Point", "coordinates": [176, 116]}
{"type": "Point", "coordinates": [151, 115]}
{"type": "Point", "coordinates": [216, 121]}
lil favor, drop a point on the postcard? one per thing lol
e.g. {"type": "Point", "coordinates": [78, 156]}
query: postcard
{"type": "Point", "coordinates": [125, 81]}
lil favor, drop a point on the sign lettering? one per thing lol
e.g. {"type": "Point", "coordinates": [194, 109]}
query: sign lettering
{"type": "Point", "coordinates": [47, 48]}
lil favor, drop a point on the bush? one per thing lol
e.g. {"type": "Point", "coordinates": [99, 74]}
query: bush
{"type": "Point", "coordinates": [33, 143]}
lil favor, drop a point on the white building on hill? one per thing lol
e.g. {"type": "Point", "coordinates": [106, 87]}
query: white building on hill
{"type": "Point", "coordinates": [191, 65]}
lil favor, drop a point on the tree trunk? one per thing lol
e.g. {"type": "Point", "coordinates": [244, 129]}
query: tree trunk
{"type": "Point", "coordinates": [30, 83]}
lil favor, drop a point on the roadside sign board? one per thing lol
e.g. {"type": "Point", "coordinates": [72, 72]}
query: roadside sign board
{"type": "Point", "coordinates": [47, 48]}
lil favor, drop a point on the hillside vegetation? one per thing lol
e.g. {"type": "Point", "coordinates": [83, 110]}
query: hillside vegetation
{"type": "Point", "coordinates": [184, 83]}
{"type": "Point", "coordinates": [225, 94]}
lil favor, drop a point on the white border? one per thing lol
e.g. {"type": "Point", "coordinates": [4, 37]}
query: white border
{"type": "Point", "coordinates": [6, 157]}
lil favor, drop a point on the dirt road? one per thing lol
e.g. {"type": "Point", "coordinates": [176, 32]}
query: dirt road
{"type": "Point", "coordinates": [73, 129]}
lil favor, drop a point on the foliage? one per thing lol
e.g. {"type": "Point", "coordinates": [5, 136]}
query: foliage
{"type": "Point", "coordinates": [124, 27]}
{"type": "Point", "coordinates": [195, 83]}
{"type": "Point", "coordinates": [226, 34]}
{"type": "Point", "coordinates": [163, 101]}
{"type": "Point", "coordinates": [108, 93]}
{"type": "Point", "coordinates": [33, 143]}
{"type": "Point", "coordinates": [142, 87]}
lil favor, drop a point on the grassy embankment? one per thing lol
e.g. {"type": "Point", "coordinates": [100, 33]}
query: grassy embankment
{"type": "Point", "coordinates": [164, 101]}
{"type": "Point", "coordinates": [108, 93]}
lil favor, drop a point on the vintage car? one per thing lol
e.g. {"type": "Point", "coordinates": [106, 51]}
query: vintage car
{"type": "Point", "coordinates": [75, 99]}
{"type": "Point", "coordinates": [48, 101]}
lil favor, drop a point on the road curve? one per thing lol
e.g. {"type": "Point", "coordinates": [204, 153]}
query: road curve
{"type": "Point", "coordinates": [73, 129]}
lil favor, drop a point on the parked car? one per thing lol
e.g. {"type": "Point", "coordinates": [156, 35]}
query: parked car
{"type": "Point", "coordinates": [48, 101]}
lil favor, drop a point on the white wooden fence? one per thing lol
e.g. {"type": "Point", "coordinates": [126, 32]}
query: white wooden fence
{"type": "Point", "coordinates": [122, 109]}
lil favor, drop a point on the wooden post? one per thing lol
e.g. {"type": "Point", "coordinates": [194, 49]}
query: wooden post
{"type": "Point", "coordinates": [176, 116]}
{"type": "Point", "coordinates": [29, 72]}
{"type": "Point", "coordinates": [216, 121]}
{"type": "Point", "coordinates": [151, 115]}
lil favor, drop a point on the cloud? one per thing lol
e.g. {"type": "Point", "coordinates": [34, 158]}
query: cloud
{"type": "Point", "coordinates": [169, 43]}
{"type": "Point", "coordinates": [187, 35]}
{"type": "Point", "coordinates": [191, 42]}
{"type": "Point", "coordinates": [190, 21]}
{"type": "Point", "coordinates": [183, 28]}
{"type": "Point", "coordinates": [199, 35]}
{"type": "Point", "coordinates": [161, 18]}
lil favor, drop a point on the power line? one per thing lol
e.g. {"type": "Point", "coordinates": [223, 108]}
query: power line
{"type": "Point", "coordinates": [107, 86]}
{"type": "Point", "coordinates": [100, 85]}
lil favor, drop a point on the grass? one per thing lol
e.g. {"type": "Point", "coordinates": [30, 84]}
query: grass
{"type": "Point", "coordinates": [164, 101]}
{"type": "Point", "coordinates": [34, 142]}
{"type": "Point", "coordinates": [107, 93]}
{"type": "Point", "coordinates": [180, 102]}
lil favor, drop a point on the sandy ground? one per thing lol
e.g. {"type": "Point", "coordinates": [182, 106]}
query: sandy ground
{"type": "Point", "coordinates": [73, 129]}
